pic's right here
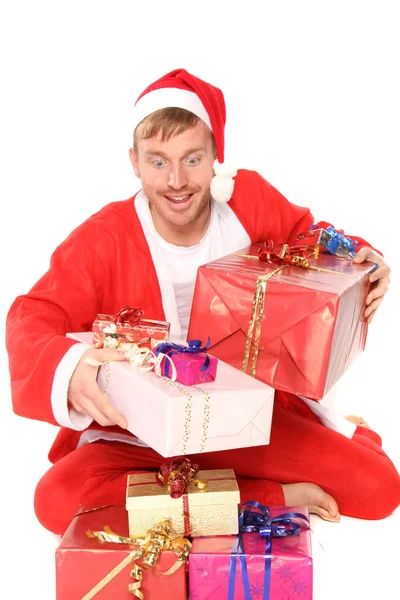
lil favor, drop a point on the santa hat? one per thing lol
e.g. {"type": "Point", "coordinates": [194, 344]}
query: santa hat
{"type": "Point", "coordinates": [182, 90]}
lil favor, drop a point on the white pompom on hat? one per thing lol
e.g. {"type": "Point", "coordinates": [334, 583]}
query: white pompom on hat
{"type": "Point", "coordinates": [180, 89]}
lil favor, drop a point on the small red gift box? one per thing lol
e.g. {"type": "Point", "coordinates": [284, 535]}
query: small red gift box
{"type": "Point", "coordinates": [128, 327]}
{"type": "Point", "coordinates": [84, 564]}
{"type": "Point", "coordinates": [297, 329]}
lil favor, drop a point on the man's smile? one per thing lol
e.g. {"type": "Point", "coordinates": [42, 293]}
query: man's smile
{"type": "Point", "coordinates": [175, 199]}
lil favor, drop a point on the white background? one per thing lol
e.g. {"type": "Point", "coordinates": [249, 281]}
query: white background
{"type": "Point", "coordinates": [313, 104]}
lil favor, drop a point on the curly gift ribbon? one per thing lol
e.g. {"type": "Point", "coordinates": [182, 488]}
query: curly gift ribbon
{"type": "Point", "coordinates": [145, 359]}
{"type": "Point", "coordinates": [159, 538]}
{"type": "Point", "coordinates": [193, 347]}
{"type": "Point", "coordinates": [139, 357]}
{"type": "Point", "coordinates": [254, 517]}
{"type": "Point", "coordinates": [177, 479]}
{"type": "Point", "coordinates": [296, 256]}
{"type": "Point", "coordinates": [129, 314]}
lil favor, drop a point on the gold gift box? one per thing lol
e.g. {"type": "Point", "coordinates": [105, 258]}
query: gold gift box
{"type": "Point", "coordinates": [212, 512]}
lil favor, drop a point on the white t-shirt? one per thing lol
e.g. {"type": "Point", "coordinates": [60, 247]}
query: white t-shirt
{"type": "Point", "coordinates": [183, 263]}
{"type": "Point", "coordinates": [176, 266]}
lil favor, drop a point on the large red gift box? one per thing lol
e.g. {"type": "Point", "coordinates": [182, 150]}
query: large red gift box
{"type": "Point", "coordinates": [310, 321]}
{"type": "Point", "coordinates": [83, 562]}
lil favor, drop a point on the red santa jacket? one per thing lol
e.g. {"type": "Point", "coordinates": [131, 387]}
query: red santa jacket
{"type": "Point", "coordinates": [104, 264]}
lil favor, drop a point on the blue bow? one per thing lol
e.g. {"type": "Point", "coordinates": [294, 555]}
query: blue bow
{"type": "Point", "coordinates": [194, 347]}
{"type": "Point", "coordinates": [254, 517]}
{"type": "Point", "coordinates": [337, 243]}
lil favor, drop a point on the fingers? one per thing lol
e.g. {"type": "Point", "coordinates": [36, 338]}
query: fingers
{"type": "Point", "coordinates": [84, 393]}
{"type": "Point", "coordinates": [378, 290]}
{"type": "Point", "coordinates": [363, 254]}
{"type": "Point", "coordinates": [372, 308]}
{"type": "Point", "coordinates": [106, 354]}
{"type": "Point", "coordinates": [382, 272]}
{"type": "Point", "coordinates": [366, 253]}
{"type": "Point", "coordinates": [94, 403]}
{"type": "Point", "coordinates": [380, 278]}
{"type": "Point", "coordinates": [100, 357]}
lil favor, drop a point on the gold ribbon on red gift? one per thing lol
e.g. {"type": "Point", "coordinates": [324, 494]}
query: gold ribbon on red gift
{"type": "Point", "coordinates": [285, 256]}
{"type": "Point", "coordinates": [159, 538]}
{"type": "Point", "coordinates": [296, 256]}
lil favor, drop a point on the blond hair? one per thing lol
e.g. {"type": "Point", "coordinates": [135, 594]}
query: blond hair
{"type": "Point", "coordinates": [169, 121]}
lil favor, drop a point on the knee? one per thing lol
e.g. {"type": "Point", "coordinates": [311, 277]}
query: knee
{"type": "Point", "coordinates": [50, 504]}
{"type": "Point", "coordinates": [375, 494]}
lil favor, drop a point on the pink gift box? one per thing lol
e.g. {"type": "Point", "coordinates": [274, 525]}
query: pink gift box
{"type": "Point", "coordinates": [189, 368]}
{"type": "Point", "coordinates": [290, 575]}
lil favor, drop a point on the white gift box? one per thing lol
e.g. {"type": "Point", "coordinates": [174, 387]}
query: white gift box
{"type": "Point", "coordinates": [234, 411]}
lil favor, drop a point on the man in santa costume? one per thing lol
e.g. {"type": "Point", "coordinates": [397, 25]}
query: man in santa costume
{"type": "Point", "coordinates": [145, 252]}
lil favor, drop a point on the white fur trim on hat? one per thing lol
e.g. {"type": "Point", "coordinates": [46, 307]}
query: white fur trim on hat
{"type": "Point", "coordinates": [222, 184]}
{"type": "Point", "coordinates": [166, 98]}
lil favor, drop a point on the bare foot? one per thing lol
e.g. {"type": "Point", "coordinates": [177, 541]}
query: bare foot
{"type": "Point", "coordinates": [314, 497]}
{"type": "Point", "coordinates": [357, 421]}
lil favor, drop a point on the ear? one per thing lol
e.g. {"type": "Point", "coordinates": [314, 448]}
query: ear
{"type": "Point", "coordinates": [133, 157]}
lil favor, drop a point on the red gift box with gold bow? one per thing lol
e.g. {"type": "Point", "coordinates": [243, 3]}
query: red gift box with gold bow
{"type": "Point", "coordinates": [128, 327]}
{"type": "Point", "coordinates": [283, 315]}
{"type": "Point", "coordinates": [94, 562]}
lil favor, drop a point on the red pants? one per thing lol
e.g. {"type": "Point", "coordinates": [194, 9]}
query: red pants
{"type": "Point", "coordinates": [356, 472]}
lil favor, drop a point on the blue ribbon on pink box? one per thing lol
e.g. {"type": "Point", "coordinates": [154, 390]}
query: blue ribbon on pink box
{"type": "Point", "coordinates": [194, 347]}
{"type": "Point", "coordinates": [254, 517]}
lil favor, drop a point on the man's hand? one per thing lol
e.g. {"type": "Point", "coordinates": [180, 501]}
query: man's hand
{"type": "Point", "coordinates": [380, 278]}
{"type": "Point", "coordinates": [85, 396]}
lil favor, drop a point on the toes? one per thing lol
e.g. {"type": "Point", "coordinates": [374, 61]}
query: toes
{"type": "Point", "coordinates": [324, 514]}
{"type": "Point", "coordinates": [330, 505]}
{"type": "Point", "coordinates": [354, 419]}
{"type": "Point", "coordinates": [357, 421]}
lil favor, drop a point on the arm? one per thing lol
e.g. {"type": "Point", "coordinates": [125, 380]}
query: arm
{"type": "Point", "coordinates": [44, 364]}
{"type": "Point", "coordinates": [284, 221]}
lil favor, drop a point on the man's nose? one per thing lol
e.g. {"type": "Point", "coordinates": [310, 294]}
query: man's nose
{"type": "Point", "coordinates": [177, 177]}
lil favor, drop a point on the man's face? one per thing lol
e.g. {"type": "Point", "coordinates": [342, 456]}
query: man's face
{"type": "Point", "coordinates": [176, 176]}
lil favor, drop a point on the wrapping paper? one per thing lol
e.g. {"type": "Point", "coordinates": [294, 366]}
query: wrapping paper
{"type": "Point", "coordinates": [189, 368]}
{"type": "Point", "coordinates": [174, 419]}
{"type": "Point", "coordinates": [212, 512]}
{"type": "Point", "coordinates": [312, 325]}
{"type": "Point", "coordinates": [146, 332]}
{"type": "Point", "coordinates": [291, 566]}
{"type": "Point", "coordinates": [81, 562]}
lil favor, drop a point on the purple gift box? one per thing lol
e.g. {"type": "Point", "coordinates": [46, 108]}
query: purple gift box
{"type": "Point", "coordinates": [192, 363]}
{"type": "Point", "coordinates": [219, 570]}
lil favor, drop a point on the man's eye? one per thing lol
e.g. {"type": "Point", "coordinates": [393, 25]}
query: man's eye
{"type": "Point", "coordinates": [193, 161]}
{"type": "Point", "coordinates": [158, 163]}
